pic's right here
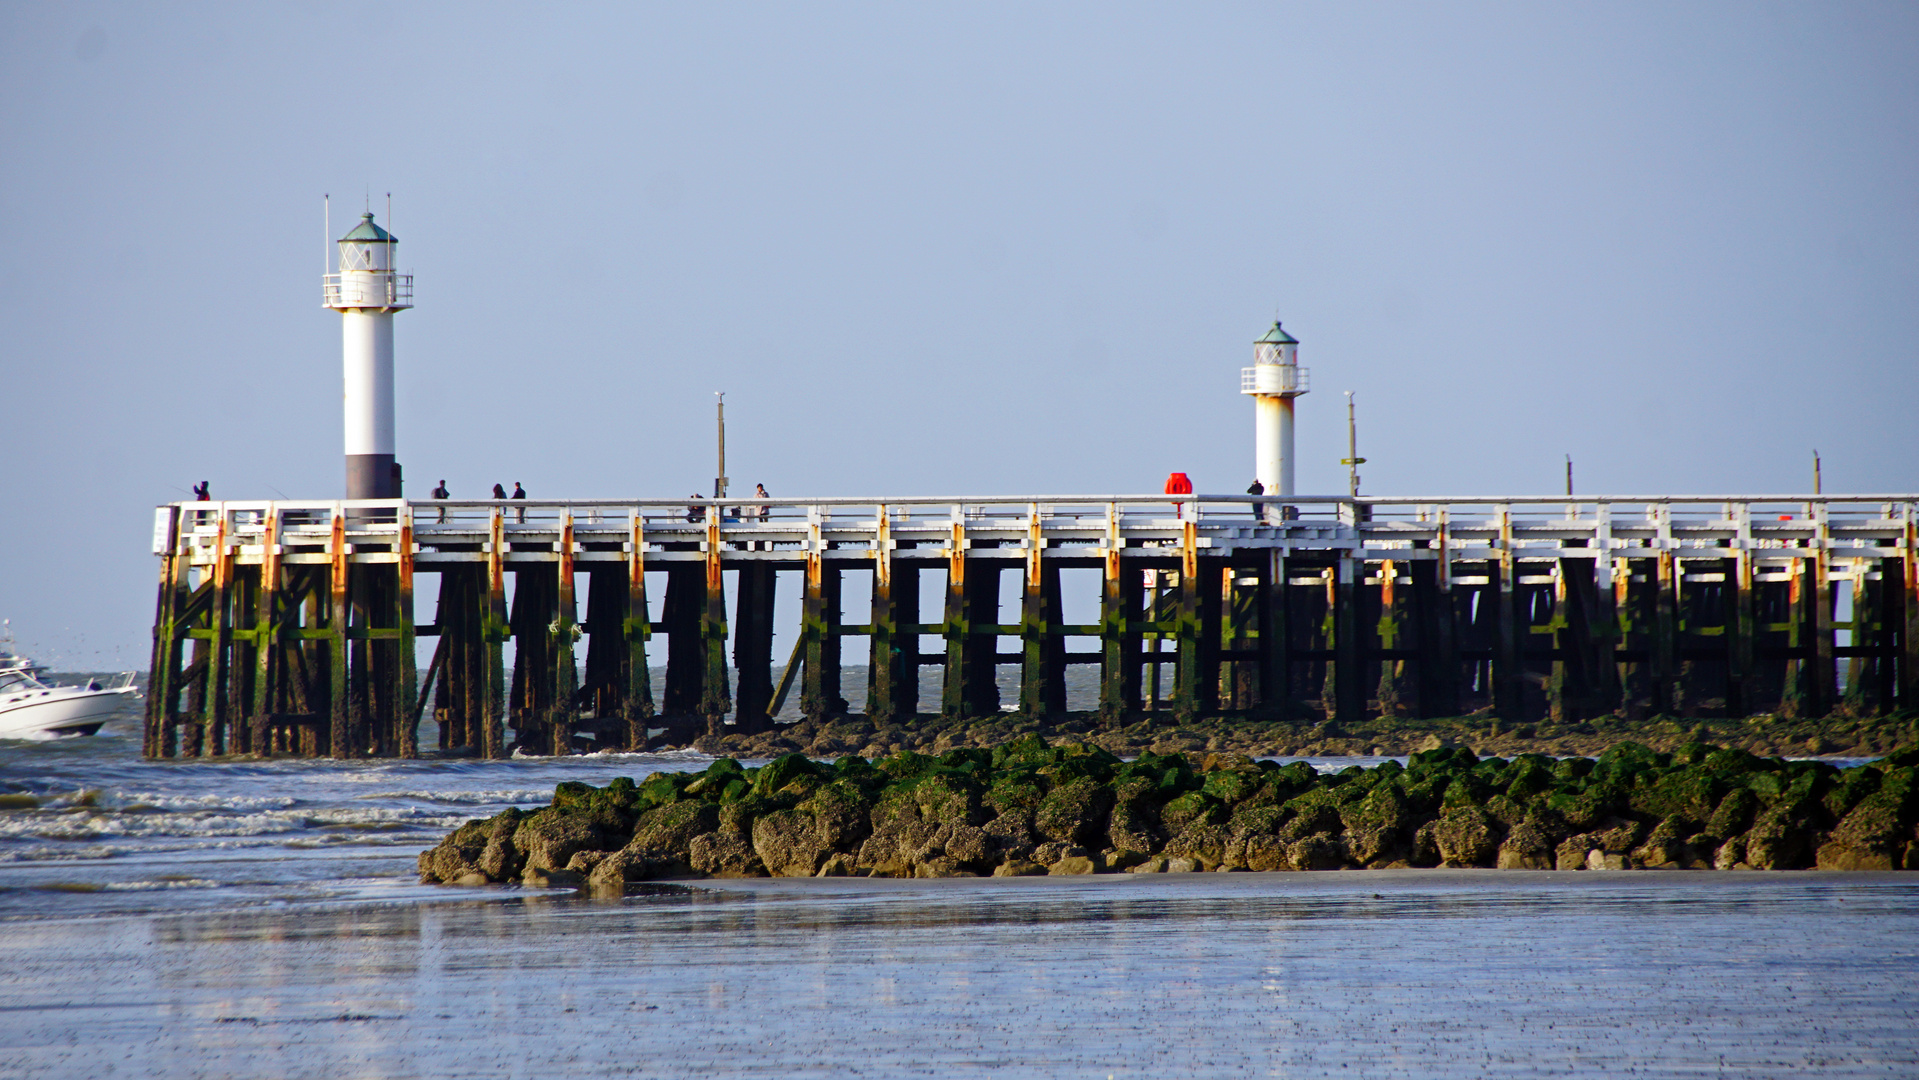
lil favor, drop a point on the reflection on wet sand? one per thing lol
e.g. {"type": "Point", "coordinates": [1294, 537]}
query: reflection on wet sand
{"type": "Point", "coordinates": [1357, 973]}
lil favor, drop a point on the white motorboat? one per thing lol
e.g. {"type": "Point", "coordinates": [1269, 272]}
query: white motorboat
{"type": "Point", "coordinates": [31, 708]}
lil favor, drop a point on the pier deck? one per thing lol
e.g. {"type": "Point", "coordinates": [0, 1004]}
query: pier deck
{"type": "Point", "coordinates": [288, 627]}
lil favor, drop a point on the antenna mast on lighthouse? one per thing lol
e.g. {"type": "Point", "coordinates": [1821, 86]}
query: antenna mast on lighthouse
{"type": "Point", "coordinates": [367, 291]}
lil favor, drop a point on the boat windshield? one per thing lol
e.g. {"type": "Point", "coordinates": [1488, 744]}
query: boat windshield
{"type": "Point", "coordinates": [16, 679]}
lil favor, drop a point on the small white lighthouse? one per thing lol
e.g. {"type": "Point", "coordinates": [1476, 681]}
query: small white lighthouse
{"type": "Point", "coordinates": [1274, 380]}
{"type": "Point", "coordinates": [366, 292]}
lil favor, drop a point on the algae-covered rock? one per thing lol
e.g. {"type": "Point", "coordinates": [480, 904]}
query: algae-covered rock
{"type": "Point", "coordinates": [1872, 836]}
{"type": "Point", "coordinates": [670, 829]}
{"type": "Point", "coordinates": [1572, 852]}
{"type": "Point", "coordinates": [1030, 807]}
{"type": "Point", "coordinates": [1320, 851]}
{"type": "Point", "coordinates": [1526, 847]}
{"type": "Point", "coordinates": [457, 856]}
{"type": "Point", "coordinates": [549, 838]}
{"type": "Point", "coordinates": [1074, 812]}
{"type": "Point", "coordinates": [1781, 839]}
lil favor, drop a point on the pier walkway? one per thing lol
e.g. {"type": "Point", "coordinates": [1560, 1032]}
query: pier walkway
{"type": "Point", "coordinates": [288, 627]}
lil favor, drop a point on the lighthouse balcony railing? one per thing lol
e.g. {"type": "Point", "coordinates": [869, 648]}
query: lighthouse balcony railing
{"type": "Point", "coordinates": [1273, 379]}
{"type": "Point", "coordinates": [381, 289]}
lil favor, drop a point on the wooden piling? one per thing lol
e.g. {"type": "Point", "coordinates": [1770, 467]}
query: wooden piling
{"type": "Point", "coordinates": [1275, 640]}
{"type": "Point", "coordinates": [407, 715]}
{"type": "Point", "coordinates": [956, 626]}
{"type": "Point", "coordinates": [886, 670]}
{"type": "Point", "coordinates": [1508, 662]}
{"type": "Point", "coordinates": [163, 685]}
{"type": "Point", "coordinates": [496, 630]}
{"type": "Point", "coordinates": [716, 694]}
{"type": "Point", "coordinates": [753, 645]}
{"type": "Point", "coordinates": [564, 711]}
{"type": "Point", "coordinates": [1349, 673]}
{"type": "Point", "coordinates": [637, 707]}
{"type": "Point", "coordinates": [1120, 643]}
{"type": "Point", "coordinates": [1187, 678]}
{"type": "Point", "coordinates": [1042, 686]}
{"type": "Point", "coordinates": [820, 696]}
{"type": "Point", "coordinates": [1909, 612]}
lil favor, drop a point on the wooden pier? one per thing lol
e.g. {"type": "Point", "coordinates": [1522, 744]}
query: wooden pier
{"type": "Point", "coordinates": [289, 628]}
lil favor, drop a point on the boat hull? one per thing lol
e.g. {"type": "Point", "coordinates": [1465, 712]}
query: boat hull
{"type": "Point", "coordinates": [56, 713]}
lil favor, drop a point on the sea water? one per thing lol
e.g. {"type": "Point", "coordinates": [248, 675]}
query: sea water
{"type": "Point", "coordinates": [264, 920]}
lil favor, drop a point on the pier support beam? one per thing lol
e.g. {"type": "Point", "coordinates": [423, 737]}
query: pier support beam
{"type": "Point", "coordinates": [496, 630]}
{"type": "Point", "coordinates": [820, 696]}
{"type": "Point", "coordinates": [1042, 685]}
{"type": "Point", "coordinates": [1509, 658]}
{"type": "Point", "coordinates": [564, 710]}
{"type": "Point", "coordinates": [956, 627]}
{"type": "Point", "coordinates": [1438, 668]}
{"type": "Point", "coordinates": [1909, 612]}
{"type": "Point", "coordinates": [1119, 641]}
{"type": "Point", "coordinates": [406, 718]}
{"type": "Point", "coordinates": [1349, 679]}
{"type": "Point", "coordinates": [339, 718]}
{"type": "Point", "coordinates": [892, 669]}
{"type": "Point", "coordinates": [637, 706]}
{"type": "Point", "coordinates": [1188, 678]}
{"type": "Point", "coordinates": [163, 679]}
{"type": "Point", "coordinates": [753, 645]}
{"type": "Point", "coordinates": [716, 695]}
{"type": "Point", "coordinates": [1275, 640]}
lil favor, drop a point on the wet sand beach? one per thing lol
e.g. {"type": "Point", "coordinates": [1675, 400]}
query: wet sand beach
{"type": "Point", "coordinates": [1372, 973]}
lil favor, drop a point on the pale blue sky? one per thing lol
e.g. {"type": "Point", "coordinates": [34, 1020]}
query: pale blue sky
{"type": "Point", "coordinates": [978, 249]}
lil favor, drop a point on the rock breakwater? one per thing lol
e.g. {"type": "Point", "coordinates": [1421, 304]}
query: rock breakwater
{"type": "Point", "coordinates": [1032, 808]}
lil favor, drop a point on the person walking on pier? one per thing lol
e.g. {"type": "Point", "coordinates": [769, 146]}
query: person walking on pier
{"type": "Point", "coordinates": [762, 511]}
{"type": "Point", "coordinates": [519, 513]}
{"type": "Point", "coordinates": [442, 493]}
{"type": "Point", "coordinates": [1259, 509]}
{"type": "Point", "coordinates": [499, 492]}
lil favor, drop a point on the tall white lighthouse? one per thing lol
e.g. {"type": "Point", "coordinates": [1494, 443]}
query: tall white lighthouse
{"type": "Point", "coordinates": [1273, 381]}
{"type": "Point", "coordinates": [366, 292]}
